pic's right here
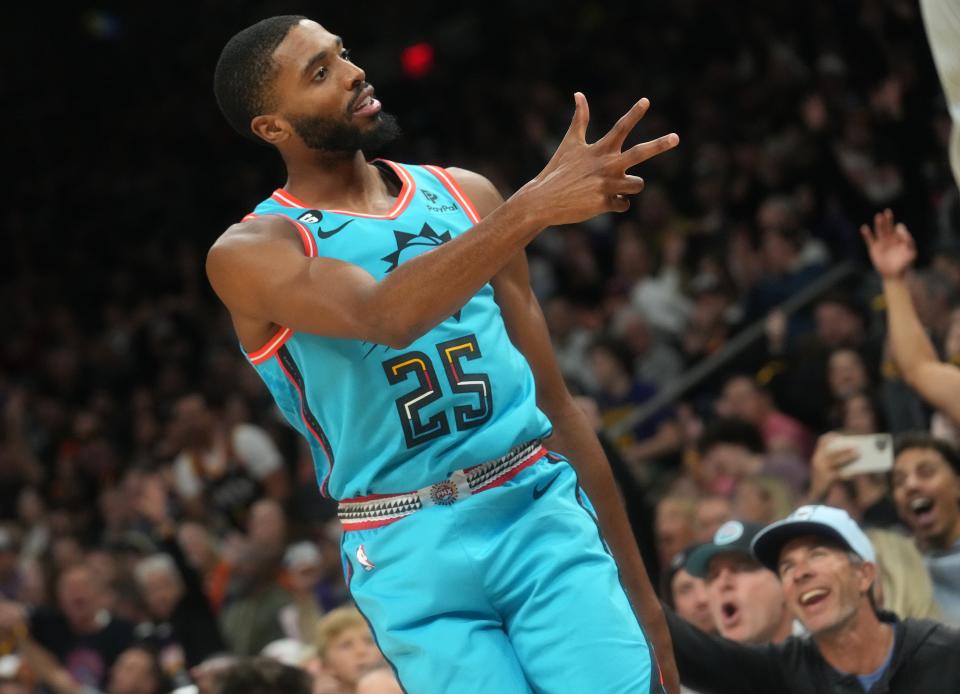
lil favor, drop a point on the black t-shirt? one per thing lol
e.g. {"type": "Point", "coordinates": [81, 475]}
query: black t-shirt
{"type": "Point", "coordinates": [87, 657]}
{"type": "Point", "coordinates": [923, 661]}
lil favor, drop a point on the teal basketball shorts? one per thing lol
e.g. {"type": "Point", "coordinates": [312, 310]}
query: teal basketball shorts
{"type": "Point", "coordinates": [506, 589]}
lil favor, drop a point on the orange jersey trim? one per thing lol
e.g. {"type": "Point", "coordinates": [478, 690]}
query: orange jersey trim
{"type": "Point", "coordinates": [309, 245]}
{"type": "Point", "coordinates": [271, 347]}
{"type": "Point", "coordinates": [407, 189]}
{"type": "Point", "coordinates": [283, 334]}
{"type": "Point", "coordinates": [450, 183]}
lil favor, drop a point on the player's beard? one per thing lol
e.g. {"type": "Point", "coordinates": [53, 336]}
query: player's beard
{"type": "Point", "coordinates": [338, 137]}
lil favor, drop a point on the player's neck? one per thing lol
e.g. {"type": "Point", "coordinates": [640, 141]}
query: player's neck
{"type": "Point", "coordinates": [348, 183]}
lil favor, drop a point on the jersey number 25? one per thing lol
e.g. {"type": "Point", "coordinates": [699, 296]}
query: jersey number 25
{"type": "Point", "coordinates": [416, 364]}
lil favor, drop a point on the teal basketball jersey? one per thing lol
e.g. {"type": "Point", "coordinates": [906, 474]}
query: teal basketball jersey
{"type": "Point", "coordinates": [381, 420]}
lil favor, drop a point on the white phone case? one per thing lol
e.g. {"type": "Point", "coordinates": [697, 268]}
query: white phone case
{"type": "Point", "coordinates": [876, 453]}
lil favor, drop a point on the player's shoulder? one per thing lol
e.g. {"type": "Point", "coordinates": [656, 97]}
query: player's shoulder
{"type": "Point", "coordinates": [480, 189]}
{"type": "Point", "coordinates": [253, 230]}
{"type": "Point", "coordinates": [250, 238]}
{"type": "Point", "coordinates": [471, 181]}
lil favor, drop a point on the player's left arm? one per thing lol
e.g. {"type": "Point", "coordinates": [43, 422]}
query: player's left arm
{"type": "Point", "coordinates": [572, 434]}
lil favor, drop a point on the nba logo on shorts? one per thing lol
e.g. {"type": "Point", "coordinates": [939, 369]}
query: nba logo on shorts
{"type": "Point", "coordinates": [364, 561]}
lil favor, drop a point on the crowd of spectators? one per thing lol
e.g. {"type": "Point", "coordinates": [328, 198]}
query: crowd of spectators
{"type": "Point", "coordinates": [159, 521]}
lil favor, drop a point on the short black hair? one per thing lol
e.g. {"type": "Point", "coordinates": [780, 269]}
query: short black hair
{"type": "Point", "coordinates": [793, 236]}
{"type": "Point", "coordinates": [156, 670]}
{"type": "Point", "coordinates": [616, 348]}
{"type": "Point", "coordinates": [241, 80]}
{"type": "Point", "coordinates": [731, 431]}
{"type": "Point", "coordinates": [847, 300]}
{"type": "Point", "coordinates": [669, 572]}
{"type": "Point", "coordinates": [262, 675]}
{"type": "Point", "coordinates": [922, 439]}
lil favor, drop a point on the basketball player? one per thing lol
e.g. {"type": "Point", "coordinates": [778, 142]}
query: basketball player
{"type": "Point", "coordinates": [941, 19]}
{"type": "Point", "coordinates": [387, 308]}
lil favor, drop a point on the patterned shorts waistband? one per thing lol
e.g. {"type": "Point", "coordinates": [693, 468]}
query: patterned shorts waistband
{"type": "Point", "coordinates": [382, 509]}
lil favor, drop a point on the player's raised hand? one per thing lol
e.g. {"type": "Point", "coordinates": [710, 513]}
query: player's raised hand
{"type": "Point", "coordinates": [583, 180]}
{"type": "Point", "coordinates": [890, 245]}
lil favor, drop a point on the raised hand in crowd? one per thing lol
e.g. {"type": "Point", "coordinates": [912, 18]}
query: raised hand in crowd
{"type": "Point", "coordinates": [15, 640]}
{"type": "Point", "coordinates": [892, 252]}
{"type": "Point", "coordinates": [890, 245]}
{"type": "Point", "coordinates": [13, 625]}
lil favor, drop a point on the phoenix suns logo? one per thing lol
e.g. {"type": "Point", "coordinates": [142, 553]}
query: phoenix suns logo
{"type": "Point", "coordinates": [427, 237]}
{"type": "Point", "coordinates": [405, 241]}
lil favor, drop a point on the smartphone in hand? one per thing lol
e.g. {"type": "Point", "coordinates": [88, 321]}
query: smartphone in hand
{"type": "Point", "coordinates": [875, 453]}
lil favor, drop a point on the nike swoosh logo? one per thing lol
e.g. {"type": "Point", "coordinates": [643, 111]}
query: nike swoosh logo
{"type": "Point", "coordinates": [327, 234]}
{"type": "Point", "coordinates": [540, 491]}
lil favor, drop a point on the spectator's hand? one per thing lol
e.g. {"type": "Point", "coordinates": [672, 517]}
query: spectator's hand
{"type": "Point", "coordinates": [891, 247]}
{"type": "Point", "coordinates": [13, 620]}
{"type": "Point", "coordinates": [826, 465]}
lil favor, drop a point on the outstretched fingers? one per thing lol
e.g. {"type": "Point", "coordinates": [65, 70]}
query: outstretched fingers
{"type": "Point", "coordinates": [627, 185]}
{"type": "Point", "coordinates": [885, 229]}
{"type": "Point", "coordinates": [627, 122]}
{"type": "Point", "coordinates": [577, 132]}
{"type": "Point", "coordinates": [901, 231]}
{"type": "Point", "coordinates": [883, 224]}
{"type": "Point", "coordinates": [647, 150]}
{"type": "Point", "coordinates": [619, 203]}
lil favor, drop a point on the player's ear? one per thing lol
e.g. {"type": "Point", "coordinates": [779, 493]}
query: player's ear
{"type": "Point", "coordinates": [270, 127]}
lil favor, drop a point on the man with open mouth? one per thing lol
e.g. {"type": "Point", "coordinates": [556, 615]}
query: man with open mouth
{"type": "Point", "coordinates": [745, 597]}
{"type": "Point", "coordinates": [827, 568]}
{"type": "Point", "coordinates": [926, 489]}
{"type": "Point", "coordinates": [926, 473]}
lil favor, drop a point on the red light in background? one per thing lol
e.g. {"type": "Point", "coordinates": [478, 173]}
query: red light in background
{"type": "Point", "coordinates": [417, 60]}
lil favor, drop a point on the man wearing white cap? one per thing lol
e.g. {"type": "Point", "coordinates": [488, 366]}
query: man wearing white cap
{"type": "Point", "coordinates": [827, 568]}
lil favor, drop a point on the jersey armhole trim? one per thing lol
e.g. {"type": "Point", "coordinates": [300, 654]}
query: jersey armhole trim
{"type": "Point", "coordinates": [271, 347]}
{"type": "Point", "coordinates": [278, 339]}
{"type": "Point", "coordinates": [450, 183]}
{"type": "Point", "coordinates": [309, 245]}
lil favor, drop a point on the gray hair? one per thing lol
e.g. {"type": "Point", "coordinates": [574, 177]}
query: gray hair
{"type": "Point", "coordinates": [157, 563]}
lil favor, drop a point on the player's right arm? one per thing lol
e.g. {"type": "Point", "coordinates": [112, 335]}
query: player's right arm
{"type": "Point", "coordinates": [259, 271]}
{"type": "Point", "coordinates": [892, 252]}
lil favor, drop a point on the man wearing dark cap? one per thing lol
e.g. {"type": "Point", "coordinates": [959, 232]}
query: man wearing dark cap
{"type": "Point", "coordinates": [687, 594]}
{"type": "Point", "coordinates": [827, 568]}
{"type": "Point", "coordinates": [744, 597]}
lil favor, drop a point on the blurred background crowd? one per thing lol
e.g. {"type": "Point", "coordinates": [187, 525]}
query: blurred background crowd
{"type": "Point", "coordinates": [156, 514]}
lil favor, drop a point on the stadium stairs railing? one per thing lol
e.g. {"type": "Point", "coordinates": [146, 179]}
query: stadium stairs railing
{"type": "Point", "coordinates": [735, 346]}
